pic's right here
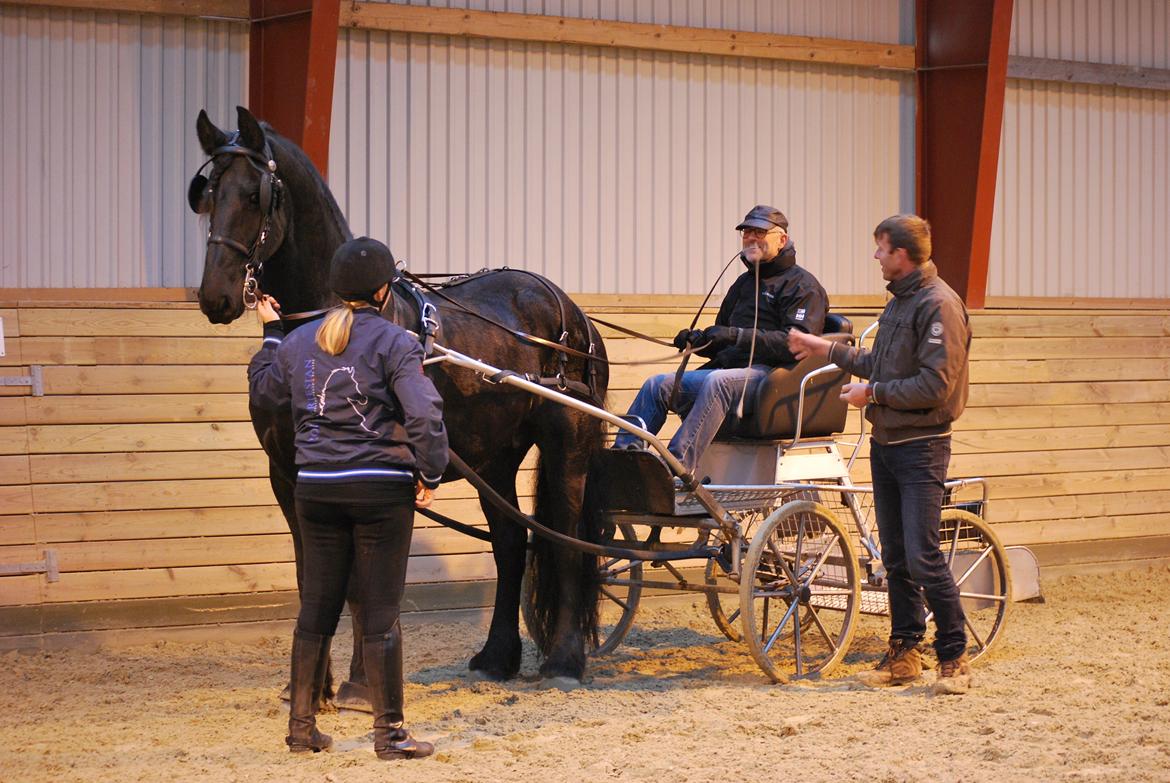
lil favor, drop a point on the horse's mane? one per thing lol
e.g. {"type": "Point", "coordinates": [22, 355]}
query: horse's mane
{"type": "Point", "coordinates": [298, 155]}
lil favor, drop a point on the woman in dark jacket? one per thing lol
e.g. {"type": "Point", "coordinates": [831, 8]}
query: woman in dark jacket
{"type": "Point", "coordinates": [370, 447]}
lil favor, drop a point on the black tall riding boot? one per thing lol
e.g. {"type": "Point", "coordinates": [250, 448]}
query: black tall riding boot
{"type": "Point", "coordinates": [310, 661]}
{"type": "Point", "coordinates": [383, 655]}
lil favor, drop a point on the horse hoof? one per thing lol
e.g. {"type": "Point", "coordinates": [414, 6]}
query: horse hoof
{"type": "Point", "coordinates": [562, 671]}
{"type": "Point", "coordinates": [563, 683]}
{"type": "Point", "coordinates": [353, 696]}
{"type": "Point", "coordinates": [480, 667]}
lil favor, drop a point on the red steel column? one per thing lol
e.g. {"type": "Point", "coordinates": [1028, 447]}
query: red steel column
{"type": "Point", "coordinates": [292, 60]}
{"type": "Point", "coordinates": [961, 51]}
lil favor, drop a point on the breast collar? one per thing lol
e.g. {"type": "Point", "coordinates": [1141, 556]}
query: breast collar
{"type": "Point", "coordinates": [429, 325]}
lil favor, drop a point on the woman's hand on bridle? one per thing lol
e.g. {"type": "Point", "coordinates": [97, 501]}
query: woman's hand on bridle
{"type": "Point", "coordinates": [423, 495]}
{"type": "Point", "coordinates": [267, 309]}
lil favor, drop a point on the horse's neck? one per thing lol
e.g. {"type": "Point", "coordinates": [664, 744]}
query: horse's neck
{"type": "Point", "coordinates": [297, 274]}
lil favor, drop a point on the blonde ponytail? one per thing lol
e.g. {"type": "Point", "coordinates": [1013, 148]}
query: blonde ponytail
{"type": "Point", "coordinates": [333, 334]}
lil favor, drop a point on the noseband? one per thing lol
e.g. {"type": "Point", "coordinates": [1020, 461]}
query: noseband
{"type": "Point", "coordinates": [271, 189]}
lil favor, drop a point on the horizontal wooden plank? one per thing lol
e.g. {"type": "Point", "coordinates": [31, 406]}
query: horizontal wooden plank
{"type": "Point", "coordinates": [983, 349]}
{"type": "Point", "coordinates": [223, 550]}
{"type": "Point", "coordinates": [14, 469]}
{"type": "Point", "coordinates": [213, 580]}
{"type": "Point", "coordinates": [21, 590]}
{"type": "Point", "coordinates": [57, 350]}
{"type": "Point", "coordinates": [16, 499]}
{"type": "Point", "coordinates": [174, 350]}
{"type": "Point", "coordinates": [10, 317]}
{"type": "Point", "coordinates": [142, 466]}
{"type": "Point", "coordinates": [1112, 481]}
{"type": "Point", "coordinates": [1057, 416]}
{"type": "Point", "coordinates": [17, 529]}
{"type": "Point", "coordinates": [1048, 531]}
{"type": "Point", "coordinates": [127, 408]}
{"type": "Point", "coordinates": [160, 524]}
{"type": "Point", "coordinates": [1068, 370]}
{"type": "Point", "coordinates": [150, 379]}
{"type": "Point", "coordinates": [1118, 551]}
{"type": "Point", "coordinates": [1085, 324]}
{"type": "Point", "coordinates": [125, 322]}
{"type": "Point", "coordinates": [984, 395]}
{"type": "Point", "coordinates": [12, 410]}
{"type": "Point", "coordinates": [129, 495]}
{"type": "Point", "coordinates": [13, 440]}
{"type": "Point", "coordinates": [607, 33]}
{"type": "Point", "coordinates": [97, 438]}
{"type": "Point", "coordinates": [1079, 507]}
{"type": "Point", "coordinates": [118, 298]}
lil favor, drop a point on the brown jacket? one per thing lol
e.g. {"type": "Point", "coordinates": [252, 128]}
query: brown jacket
{"type": "Point", "coordinates": [918, 364]}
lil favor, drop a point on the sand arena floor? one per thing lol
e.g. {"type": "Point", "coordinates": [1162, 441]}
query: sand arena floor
{"type": "Point", "coordinates": [1079, 689]}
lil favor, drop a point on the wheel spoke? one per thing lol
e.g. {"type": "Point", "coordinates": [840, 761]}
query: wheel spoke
{"type": "Point", "coordinates": [781, 561]}
{"type": "Point", "coordinates": [821, 560]}
{"type": "Point", "coordinates": [817, 621]}
{"type": "Point", "coordinates": [971, 568]}
{"type": "Point", "coordinates": [625, 607]}
{"type": "Point", "coordinates": [780, 627]}
{"type": "Point", "coordinates": [971, 628]}
{"type": "Point", "coordinates": [983, 596]}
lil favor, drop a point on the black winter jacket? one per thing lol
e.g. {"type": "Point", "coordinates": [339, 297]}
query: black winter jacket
{"type": "Point", "coordinates": [790, 298]}
{"type": "Point", "coordinates": [367, 413]}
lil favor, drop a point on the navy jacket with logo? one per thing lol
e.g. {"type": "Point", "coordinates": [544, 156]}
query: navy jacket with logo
{"type": "Point", "coordinates": [790, 298]}
{"type": "Point", "coordinates": [368, 413]}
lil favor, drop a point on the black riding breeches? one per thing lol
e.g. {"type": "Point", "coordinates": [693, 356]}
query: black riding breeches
{"type": "Point", "coordinates": [363, 527]}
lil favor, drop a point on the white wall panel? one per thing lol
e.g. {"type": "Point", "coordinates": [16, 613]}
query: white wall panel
{"type": "Point", "coordinates": [1081, 195]}
{"type": "Point", "coordinates": [98, 113]}
{"type": "Point", "coordinates": [1118, 32]}
{"type": "Point", "coordinates": [612, 170]}
{"type": "Point", "coordinates": [885, 21]}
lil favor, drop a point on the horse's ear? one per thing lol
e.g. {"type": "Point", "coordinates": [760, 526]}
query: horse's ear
{"type": "Point", "coordinates": [251, 134]}
{"type": "Point", "coordinates": [210, 137]}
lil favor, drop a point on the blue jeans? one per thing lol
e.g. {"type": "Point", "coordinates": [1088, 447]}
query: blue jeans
{"type": "Point", "coordinates": [704, 401]}
{"type": "Point", "coordinates": [907, 495]}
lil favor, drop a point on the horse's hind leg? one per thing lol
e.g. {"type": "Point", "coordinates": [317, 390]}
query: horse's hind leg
{"type": "Point", "coordinates": [500, 657]}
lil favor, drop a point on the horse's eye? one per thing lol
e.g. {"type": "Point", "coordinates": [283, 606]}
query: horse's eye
{"type": "Point", "coordinates": [255, 199]}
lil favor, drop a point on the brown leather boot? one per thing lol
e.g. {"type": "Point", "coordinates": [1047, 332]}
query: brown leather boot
{"type": "Point", "coordinates": [383, 655]}
{"type": "Point", "coordinates": [954, 677]}
{"type": "Point", "coordinates": [310, 662]}
{"type": "Point", "coordinates": [901, 664]}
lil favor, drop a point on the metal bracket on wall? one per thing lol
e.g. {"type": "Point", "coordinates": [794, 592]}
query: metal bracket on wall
{"type": "Point", "coordinates": [48, 567]}
{"type": "Point", "coordinates": [34, 379]}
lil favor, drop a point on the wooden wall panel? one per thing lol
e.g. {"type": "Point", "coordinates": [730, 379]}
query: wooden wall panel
{"type": "Point", "coordinates": [140, 469]}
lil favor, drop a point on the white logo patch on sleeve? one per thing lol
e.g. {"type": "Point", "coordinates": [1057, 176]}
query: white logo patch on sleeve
{"type": "Point", "coordinates": [936, 329]}
{"type": "Point", "coordinates": [799, 315]}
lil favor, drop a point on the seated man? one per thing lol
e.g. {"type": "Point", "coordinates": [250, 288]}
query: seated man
{"type": "Point", "coordinates": [789, 297]}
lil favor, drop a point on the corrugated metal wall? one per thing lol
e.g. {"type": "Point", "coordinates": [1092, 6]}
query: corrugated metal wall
{"type": "Point", "coordinates": [1082, 205]}
{"type": "Point", "coordinates": [614, 170]}
{"type": "Point", "coordinates": [98, 113]}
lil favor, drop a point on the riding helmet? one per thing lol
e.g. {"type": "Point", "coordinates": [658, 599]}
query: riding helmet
{"type": "Point", "coordinates": [360, 267]}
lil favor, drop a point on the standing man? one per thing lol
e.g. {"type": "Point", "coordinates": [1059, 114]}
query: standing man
{"type": "Point", "coordinates": [917, 386]}
{"type": "Point", "coordinates": [788, 299]}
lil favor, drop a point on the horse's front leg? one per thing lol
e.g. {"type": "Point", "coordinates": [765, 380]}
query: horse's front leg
{"type": "Point", "coordinates": [500, 657]}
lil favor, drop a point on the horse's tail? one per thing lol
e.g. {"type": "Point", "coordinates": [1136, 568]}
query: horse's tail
{"type": "Point", "coordinates": [547, 596]}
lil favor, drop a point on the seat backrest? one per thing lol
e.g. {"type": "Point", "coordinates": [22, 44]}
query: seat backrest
{"type": "Point", "coordinates": [774, 415]}
{"type": "Point", "coordinates": [835, 323]}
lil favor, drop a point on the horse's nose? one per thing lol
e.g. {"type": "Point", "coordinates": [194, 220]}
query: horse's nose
{"type": "Point", "coordinates": [216, 308]}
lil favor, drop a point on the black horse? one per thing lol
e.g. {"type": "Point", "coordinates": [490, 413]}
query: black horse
{"type": "Point", "coordinates": [279, 224]}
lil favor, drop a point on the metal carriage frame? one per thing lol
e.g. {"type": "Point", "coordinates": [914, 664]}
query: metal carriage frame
{"type": "Point", "coordinates": [789, 564]}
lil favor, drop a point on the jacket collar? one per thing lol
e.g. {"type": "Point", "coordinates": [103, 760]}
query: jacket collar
{"type": "Point", "coordinates": [785, 259]}
{"type": "Point", "coordinates": [913, 281]}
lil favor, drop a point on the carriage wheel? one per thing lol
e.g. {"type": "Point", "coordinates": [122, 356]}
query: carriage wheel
{"type": "Point", "coordinates": [980, 565]}
{"type": "Point", "coordinates": [799, 593]}
{"type": "Point", "coordinates": [724, 607]}
{"type": "Point", "coordinates": [616, 605]}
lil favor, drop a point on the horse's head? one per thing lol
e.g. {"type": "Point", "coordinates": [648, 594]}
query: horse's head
{"type": "Point", "coordinates": [242, 198]}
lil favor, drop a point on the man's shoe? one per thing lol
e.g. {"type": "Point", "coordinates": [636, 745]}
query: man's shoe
{"type": "Point", "coordinates": [954, 677]}
{"type": "Point", "coordinates": [901, 664]}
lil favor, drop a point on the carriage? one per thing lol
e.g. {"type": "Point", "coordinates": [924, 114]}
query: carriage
{"type": "Point", "coordinates": [786, 542]}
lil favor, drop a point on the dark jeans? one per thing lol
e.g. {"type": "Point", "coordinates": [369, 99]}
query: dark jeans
{"type": "Point", "coordinates": [365, 529]}
{"type": "Point", "coordinates": [907, 494]}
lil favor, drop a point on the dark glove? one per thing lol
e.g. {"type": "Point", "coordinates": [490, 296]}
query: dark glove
{"type": "Point", "coordinates": [720, 336]}
{"type": "Point", "coordinates": [688, 337]}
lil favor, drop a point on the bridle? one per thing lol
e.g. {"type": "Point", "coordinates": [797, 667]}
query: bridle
{"type": "Point", "coordinates": [271, 190]}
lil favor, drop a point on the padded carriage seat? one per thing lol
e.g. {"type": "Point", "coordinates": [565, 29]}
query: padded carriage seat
{"type": "Point", "coordinates": [774, 415]}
